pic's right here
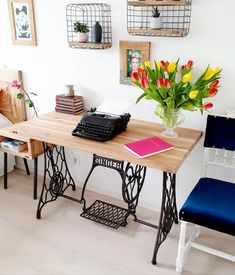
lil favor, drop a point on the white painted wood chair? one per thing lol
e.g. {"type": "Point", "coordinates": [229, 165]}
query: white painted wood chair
{"type": "Point", "coordinates": [211, 203]}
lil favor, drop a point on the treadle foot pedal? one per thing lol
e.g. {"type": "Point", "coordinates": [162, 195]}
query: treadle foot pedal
{"type": "Point", "coordinates": [107, 214]}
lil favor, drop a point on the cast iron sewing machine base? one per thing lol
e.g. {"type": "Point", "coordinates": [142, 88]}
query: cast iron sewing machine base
{"type": "Point", "coordinates": [57, 179]}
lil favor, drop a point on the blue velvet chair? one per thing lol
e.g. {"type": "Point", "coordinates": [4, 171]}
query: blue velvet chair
{"type": "Point", "coordinates": [211, 203]}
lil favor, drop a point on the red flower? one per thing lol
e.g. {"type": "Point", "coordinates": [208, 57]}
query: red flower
{"type": "Point", "coordinates": [190, 64]}
{"type": "Point", "coordinates": [214, 84]}
{"type": "Point", "coordinates": [16, 84]}
{"type": "Point", "coordinates": [213, 92]}
{"type": "Point", "coordinates": [182, 67]}
{"type": "Point", "coordinates": [160, 82]}
{"type": "Point", "coordinates": [164, 64]}
{"type": "Point", "coordinates": [168, 83]}
{"type": "Point", "coordinates": [145, 83]}
{"type": "Point", "coordinates": [135, 76]}
{"type": "Point", "coordinates": [207, 105]}
{"type": "Point", "coordinates": [144, 74]}
{"type": "Point", "coordinates": [140, 71]}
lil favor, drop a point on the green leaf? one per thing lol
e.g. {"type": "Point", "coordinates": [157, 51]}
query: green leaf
{"type": "Point", "coordinates": [155, 70]}
{"type": "Point", "coordinates": [140, 97]}
{"type": "Point", "coordinates": [19, 96]}
{"type": "Point", "coordinates": [29, 103]}
{"type": "Point", "coordinates": [151, 74]}
{"type": "Point", "coordinates": [33, 94]}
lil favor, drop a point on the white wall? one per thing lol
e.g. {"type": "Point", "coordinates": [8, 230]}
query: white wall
{"type": "Point", "coordinates": [52, 63]}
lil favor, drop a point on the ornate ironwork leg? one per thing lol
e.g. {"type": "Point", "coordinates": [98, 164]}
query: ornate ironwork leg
{"type": "Point", "coordinates": [132, 183]}
{"type": "Point", "coordinates": [83, 200]}
{"type": "Point", "coordinates": [57, 177]}
{"type": "Point", "coordinates": [168, 212]}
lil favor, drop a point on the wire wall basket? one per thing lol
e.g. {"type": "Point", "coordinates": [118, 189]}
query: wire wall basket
{"type": "Point", "coordinates": [89, 14]}
{"type": "Point", "coordinates": [175, 17]}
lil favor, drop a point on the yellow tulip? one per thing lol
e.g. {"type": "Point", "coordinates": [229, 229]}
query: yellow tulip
{"type": "Point", "coordinates": [142, 67]}
{"type": "Point", "coordinates": [209, 73]}
{"type": "Point", "coordinates": [187, 77]}
{"type": "Point", "coordinates": [171, 67]}
{"type": "Point", "coordinates": [217, 70]}
{"type": "Point", "coordinates": [158, 64]}
{"type": "Point", "coordinates": [147, 64]}
{"type": "Point", "coordinates": [193, 94]}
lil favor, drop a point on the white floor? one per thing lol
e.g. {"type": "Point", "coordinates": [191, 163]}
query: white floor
{"type": "Point", "coordinates": [64, 243]}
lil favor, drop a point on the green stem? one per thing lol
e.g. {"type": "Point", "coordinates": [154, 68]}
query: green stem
{"type": "Point", "coordinates": [35, 111]}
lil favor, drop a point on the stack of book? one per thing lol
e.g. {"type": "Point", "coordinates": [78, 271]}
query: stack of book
{"type": "Point", "coordinates": [69, 104]}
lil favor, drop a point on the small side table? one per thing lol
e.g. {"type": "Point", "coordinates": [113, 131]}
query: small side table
{"type": "Point", "coordinates": [33, 150]}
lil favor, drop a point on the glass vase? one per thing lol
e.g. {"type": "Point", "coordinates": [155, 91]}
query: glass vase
{"type": "Point", "coordinates": [171, 118]}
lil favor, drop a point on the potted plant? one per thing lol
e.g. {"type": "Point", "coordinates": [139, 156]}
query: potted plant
{"type": "Point", "coordinates": [81, 31]}
{"type": "Point", "coordinates": [156, 20]}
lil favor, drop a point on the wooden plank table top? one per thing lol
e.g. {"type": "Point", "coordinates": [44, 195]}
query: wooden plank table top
{"type": "Point", "coordinates": [56, 128]}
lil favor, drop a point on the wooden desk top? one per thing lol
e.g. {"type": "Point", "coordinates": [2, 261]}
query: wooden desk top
{"type": "Point", "coordinates": [56, 128]}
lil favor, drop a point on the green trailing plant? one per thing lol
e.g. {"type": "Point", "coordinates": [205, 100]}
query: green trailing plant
{"type": "Point", "coordinates": [80, 27]}
{"type": "Point", "coordinates": [155, 12]}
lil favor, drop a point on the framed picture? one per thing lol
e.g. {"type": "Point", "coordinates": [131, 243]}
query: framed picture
{"type": "Point", "coordinates": [132, 55]}
{"type": "Point", "coordinates": [22, 22]}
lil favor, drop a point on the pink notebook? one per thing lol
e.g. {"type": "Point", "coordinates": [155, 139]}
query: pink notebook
{"type": "Point", "coordinates": [148, 146]}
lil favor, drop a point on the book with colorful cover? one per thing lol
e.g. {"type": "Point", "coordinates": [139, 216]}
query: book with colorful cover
{"type": "Point", "coordinates": [148, 146]}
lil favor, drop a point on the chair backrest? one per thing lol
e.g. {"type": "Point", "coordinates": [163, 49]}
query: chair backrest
{"type": "Point", "coordinates": [219, 142]}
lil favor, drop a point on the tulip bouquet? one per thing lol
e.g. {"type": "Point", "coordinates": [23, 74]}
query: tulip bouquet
{"type": "Point", "coordinates": [170, 85]}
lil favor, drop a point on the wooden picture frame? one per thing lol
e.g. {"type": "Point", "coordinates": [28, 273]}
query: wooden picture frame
{"type": "Point", "coordinates": [132, 55]}
{"type": "Point", "coordinates": [21, 15]}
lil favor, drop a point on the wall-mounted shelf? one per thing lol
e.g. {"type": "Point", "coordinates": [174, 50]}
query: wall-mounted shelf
{"type": "Point", "coordinates": [157, 3]}
{"type": "Point", "coordinates": [89, 14]}
{"type": "Point", "coordinates": [89, 45]}
{"type": "Point", "coordinates": [161, 32]}
{"type": "Point", "coordinates": [176, 17]}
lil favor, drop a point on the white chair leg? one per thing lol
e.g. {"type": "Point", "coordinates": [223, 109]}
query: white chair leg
{"type": "Point", "coordinates": [198, 228]}
{"type": "Point", "coordinates": [181, 247]}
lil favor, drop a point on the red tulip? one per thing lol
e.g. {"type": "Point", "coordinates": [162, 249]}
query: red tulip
{"type": "Point", "coordinates": [214, 84]}
{"type": "Point", "coordinates": [168, 83]}
{"type": "Point", "coordinates": [207, 105]}
{"type": "Point", "coordinates": [182, 67]}
{"type": "Point", "coordinates": [140, 71]}
{"type": "Point", "coordinates": [160, 82]}
{"type": "Point", "coordinates": [164, 64]}
{"type": "Point", "coordinates": [213, 92]}
{"type": "Point", "coordinates": [144, 74]}
{"type": "Point", "coordinates": [135, 76]}
{"type": "Point", "coordinates": [190, 64]}
{"type": "Point", "coordinates": [145, 83]}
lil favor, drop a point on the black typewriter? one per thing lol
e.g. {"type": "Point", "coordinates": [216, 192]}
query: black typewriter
{"type": "Point", "coordinates": [101, 126]}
